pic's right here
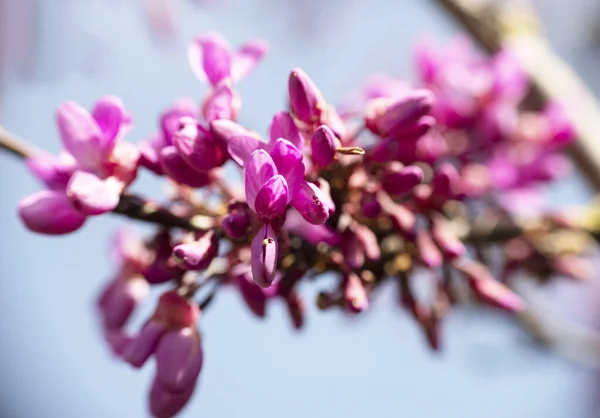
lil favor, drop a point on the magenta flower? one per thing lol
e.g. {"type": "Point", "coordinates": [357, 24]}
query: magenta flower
{"type": "Point", "coordinates": [169, 125]}
{"type": "Point", "coordinates": [308, 106]}
{"type": "Point", "coordinates": [235, 224]}
{"type": "Point", "coordinates": [212, 60]}
{"type": "Point", "coordinates": [400, 116]}
{"type": "Point", "coordinates": [240, 144]}
{"type": "Point", "coordinates": [50, 212]}
{"type": "Point", "coordinates": [90, 178]}
{"type": "Point", "coordinates": [119, 299]}
{"type": "Point", "coordinates": [199, 253]}
{"type": "Point", "coordinates": [323, 146]}
{"type": "Point", "coordinates": [197, 146]}
{"type": "Point", "coordinates": [171, 336]}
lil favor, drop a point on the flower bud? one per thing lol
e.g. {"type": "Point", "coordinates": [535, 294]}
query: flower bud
{"type": "Point", "coordinates": [306, 101]}
{"type": "Point", "coordinates": [369, 205]}
{"type": "Point", "coordinates": [312, 204]}
{"type": "Point", "coordinates": [352, 250]}
{"type": "Point", "coordinates": [49, 212]}
{"type": "Point", "coordinates": [388, 117]}
{"type": "Point", "coordinates": [311, 233]}
{"type": "Point", "coordinates": [143, 345]}
{"type": "Point", "coordinates": [198, 254]}
{"type": "Point", "coordinates": [92, 195]}
{"type": "Point", "coordinates": [169, 119]}
{"type": "Point", "coordinates": [118, 301]}
{"type": "Point", "coordinates": [236, 223]}
{"type": "Point", "coordinates": [178, 170]}
{"type": "Point", "coordinates": [272, 198]}
{"type": "Point", "coordinates": [197, 147]}
{"type": "Point", "coordinates": [167, 404]}
{"type": "Point", "coordinates": [162, 268]}
{"type": "Point", "coordinates": [323, 145]}
{"type": "Point", "coordinates": [446, 182]}
{"type": "Point", "coordinates": [265, 251]}
{"type": "Point", "coordinates": [179, 359]}
{"type": "Point", "coordinates": [400, 181]}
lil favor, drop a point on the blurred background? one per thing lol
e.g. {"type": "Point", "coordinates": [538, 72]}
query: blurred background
{"type": "Point", "coordinates": [53, 361]}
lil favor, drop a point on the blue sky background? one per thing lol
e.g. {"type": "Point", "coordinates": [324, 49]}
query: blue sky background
{"type": "Point", "coordinates": [53, 361]}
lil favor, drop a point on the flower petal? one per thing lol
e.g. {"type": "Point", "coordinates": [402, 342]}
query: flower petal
{"type": "Point", "coordinates": [265, 251]}
{"type": "Point", "coordinates": [144, 344]}
{"type": "Point", "coordinates": [53, 172]}
{"type": "Point", "coordinates": [181, 172]}
{"type": "Point", "coordinates": [50, 212]}
{"type": "Point", "coordinates": [210, 58]}
{"type": "Point", "coordinates": [310, 201]}
{"type": "Point", "coordinates": [150, 153]}
{"type": "Point", "coordinates": [241, 147]}
{"type": "Point", "coordinates": [323, 145]}
{"type": "Point", "coordinates": [112, 119]}
{"type": "Point", "coordinates": [197, 255]}
{"type": "Point", "coordinates": [167, 404]}
{"type": "Point", "coordinates": [223, 103]}
{"type": "Point", "coordinates": [288, 160]}
{"type": "Point", "coordinates": [197, 147]}
{"type": "Point", "coordinates": [81, 136]}
{"type": "Point", "coordinates": [247, 58]}
{"type": "Point", "coordinates": [259, 169]}
{"type": "Point", "coordinates": [272, 198]}
{"type": "Point", "coordinates": [92, 195]}
{"type": "Point", "coordinates": [169, 120]}
{"type": "Point", "coordinates": [283, 126]}
{"type": "Point", "coordinates": [119, 300]}
{"type": "Point", "coordinates": [311, 233]}
{"type": "Point", "coordinates": [306, 101]}
{"type": "Point", "coordinates": [179, 359]}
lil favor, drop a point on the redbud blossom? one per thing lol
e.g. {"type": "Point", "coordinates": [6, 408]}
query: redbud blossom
{"type": "Point", "coordinates": [198, 254]}
{"type": "Point", "coordinates": [265, 251]}
{"type": "Point", "coordinates": [50, 212]}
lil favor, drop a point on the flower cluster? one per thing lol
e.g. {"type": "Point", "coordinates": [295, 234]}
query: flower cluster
{"type": "Point", "coordinates": [402, 181]}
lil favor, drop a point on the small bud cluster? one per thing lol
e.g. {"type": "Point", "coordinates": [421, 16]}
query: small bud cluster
{"type": "Point", "coordinates": [389, 186]}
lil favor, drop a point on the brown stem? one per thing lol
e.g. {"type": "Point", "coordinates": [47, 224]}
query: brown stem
{"type": "Point", "coordinates": [15, 145]}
